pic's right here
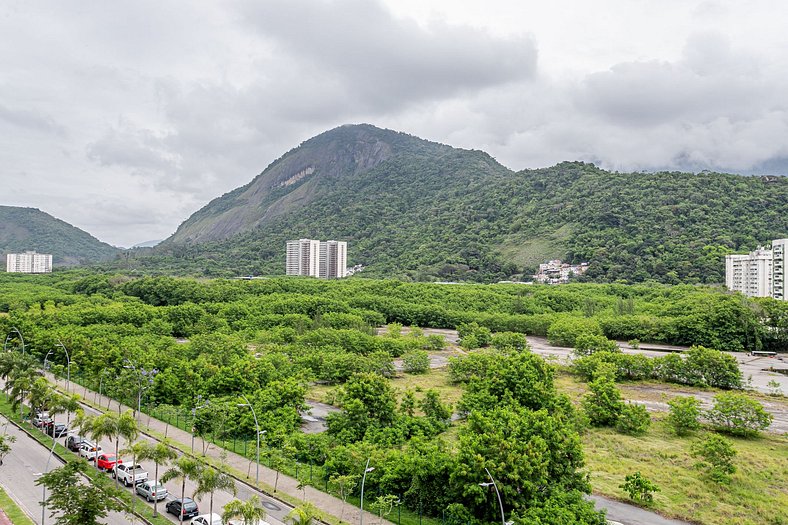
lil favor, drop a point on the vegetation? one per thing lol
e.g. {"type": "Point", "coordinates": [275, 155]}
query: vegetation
{"type": "Point", "coordinates": [639, 488]}
{"type": "Point", "coordinates": [738, 414]}
{"type": "Point", "coordinates": [684, 415]}
{"type": "Point", "coordinates": [716, 457]}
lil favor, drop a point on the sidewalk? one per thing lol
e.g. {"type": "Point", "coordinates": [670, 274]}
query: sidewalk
{"type": "Point", "coordinates": [287, 485]}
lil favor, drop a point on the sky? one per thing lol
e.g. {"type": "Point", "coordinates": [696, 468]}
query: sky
{"type": "Point", "coordinates": [124, 118]}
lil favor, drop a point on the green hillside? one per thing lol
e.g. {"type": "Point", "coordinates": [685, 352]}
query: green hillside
{"type": "Point", "coordinates": [418, 210]}
{"type": "Point", "coordinates": [23, 229]}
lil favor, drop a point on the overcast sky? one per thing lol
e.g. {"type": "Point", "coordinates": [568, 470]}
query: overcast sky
{"type": "Point", "coordinates": [123, 118]}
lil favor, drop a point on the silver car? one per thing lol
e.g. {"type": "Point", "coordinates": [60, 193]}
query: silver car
{"type": "Point", "coordinates": [152, 490]}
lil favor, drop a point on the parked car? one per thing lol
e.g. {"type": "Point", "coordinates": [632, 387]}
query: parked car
{"type": "Point", "coordinates": [152, 490]}
{"type": "Point", "coordinates": [208, 519]}
{"type": "Point", "coordinates": [130, 473]}
{"type": "Point", "coordinates": [258, 522]}
{"type": "Point", "coordinates": [56, 430]}
{"type": "Point", "coordinates": [40, 419]}
{"type": "Point", "coordinates": [73, 442]}
{"type": "Point", "coordinates": [107, 461]}
{"type": "Point", "coordinates": [88, 450]}
{"type": "Point", "coordinates": [189, 508]}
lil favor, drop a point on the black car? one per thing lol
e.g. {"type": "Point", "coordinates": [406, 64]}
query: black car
{"type": "Point", "coordinates": [73, 442]}
{"type": "Point", "coordinates": [189, 508]}
{"type": "Point", "coordinates": [57, 430]}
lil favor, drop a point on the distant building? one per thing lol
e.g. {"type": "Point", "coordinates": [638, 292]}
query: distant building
{"type": "Point", "coordinates": [29, 262]}
{"type": "Point", "coordinates": [556, 272]}
{"type": "Point", "coordinates": [323, 259]}
{"type": "Point", "coordinates": [760, 273]}
{"type": "Point", "coordinates": [779, 254]}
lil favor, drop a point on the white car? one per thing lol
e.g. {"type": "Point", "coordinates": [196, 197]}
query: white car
{"type": "Point", "coordinates": [130, 474]}
{"type": "Point", "coordinates": [207, 519]}
{"type": "Point", "coordinates": [88, 450]}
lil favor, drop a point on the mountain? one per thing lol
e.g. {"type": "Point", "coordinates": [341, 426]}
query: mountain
{"type": "Point", "coordinates": [415, 209]}
{"type": "Point", "coordinates": [23, 229]}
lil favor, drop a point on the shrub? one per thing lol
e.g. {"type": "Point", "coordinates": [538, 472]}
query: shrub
{"type": "Point", "coordinates": [640, 489]}
{"type": "Point", "coordinates": [587, 344]}
{"type": "Point", "coordinates": [481, 335]}
{"type": "Point", "coordinates": [684, 414]}
{"type": "Point", "coordinates": [603, 404]}
{"type": "Point", "coordinates": [716, 457]}
{"type": "Point", "coordinates": [739, 415]}
{"type": "Point", "coordinates": [706, 366]}
{"type": "Point", "coordinates": [633, 420]}
{"type": "Point", "coordinates": [634, 343]}
{"type": "Point", "coordinates": [416, 362]}
{"type": "Point", "coordinates": [510, 341]}
{"type": "Point", "coordinates": [565, 331]}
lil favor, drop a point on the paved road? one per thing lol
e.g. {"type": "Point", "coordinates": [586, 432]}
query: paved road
{"type": "Point", "coordinates": [631, 515]}
{"type": "Point", "coordinates": [20, 470]}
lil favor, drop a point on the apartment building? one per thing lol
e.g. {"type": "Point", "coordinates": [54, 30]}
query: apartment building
{"type": "Point", "coordinates": [779, 253]}
{"type": "Point", "coordinates": [28, 262]}
{"type": "Point", "coordinates": [323, 259]}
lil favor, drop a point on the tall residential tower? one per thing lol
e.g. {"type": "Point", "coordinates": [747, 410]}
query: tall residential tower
{"type": "Point", "coordinates": [323, 259]}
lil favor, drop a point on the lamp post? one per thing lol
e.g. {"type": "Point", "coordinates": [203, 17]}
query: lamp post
{"type": "Point", "coordinates": [257, 426]}
{"type": "Point", "coordinates": [68, 364]}
{"type": "Point", "coordinates": [367, 468]}
{"type": "Point", "coordinates": [139, 383]}
{"type": "Point", "coordinates": [47, 357]}
{"type": "Point", "coordinates": [495, 486]}
{"type": "Point", "coordinates": [8, 338]}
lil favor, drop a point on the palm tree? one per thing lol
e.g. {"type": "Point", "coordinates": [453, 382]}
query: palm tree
{"type": "Point", "coordinates": [182, 469]}
{"type": "Point", "coordinates": [250, 512]}
{"type": "Point", "coordinates": [160, 453]}
{"type": "Point", "coordinates": [113, 427]}
{"type": "Point", "coordinates": [136, 450]}
{"type": "Point", "coordinates": [303, 515]}
{"type": "Point", "coordinates": [210, 481]}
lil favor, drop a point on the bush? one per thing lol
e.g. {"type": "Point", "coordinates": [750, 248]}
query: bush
{"type": "Point", "coordinates": [510, 341]}
{"type": "Point", "coordinates": [633, 420]}
{"type": "Point", "coordinates": [565, 330]}
{"type": "Point", "coordinates": [481, 335]}
{"type": "Point", "coordinates": [640, 489]}
{"type": "Point", "coordinates": [739, 415]}
{"type": "Point", "coordinates": [603, 404]}
{"type": "Point", "coordinates": [634, 343]}
{"type": "Point", "coordinates": [716, 456]}
{"type": "Point", "coordinates": [416, 362]}
{"type": "Point", "coordinates": [684, 414]}
{"type": "Point", "coordinates": [587, 344]}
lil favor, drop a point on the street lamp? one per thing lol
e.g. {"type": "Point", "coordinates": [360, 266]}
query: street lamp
{"type": "Point", "coordinates": [8, 338]}
{"type": "Point", "coordinates": [257, 426]}
{"type": "Point", "coordinates": [68, 364]}
{"type": "Point", "coordinates": [495, 486]}
{"type": "Point", "coordinates": [139, 383]}
{"type": "Point", "coordinates": [367, 468]}
{"type": "Point", "coordinates": [47, 357]}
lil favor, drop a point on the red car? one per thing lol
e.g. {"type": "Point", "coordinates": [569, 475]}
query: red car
{"type": "Point", "coordinates": [108, 461]}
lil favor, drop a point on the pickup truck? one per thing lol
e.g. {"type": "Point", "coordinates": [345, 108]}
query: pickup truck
{"type": "Point", "coordinates": [130, 473]}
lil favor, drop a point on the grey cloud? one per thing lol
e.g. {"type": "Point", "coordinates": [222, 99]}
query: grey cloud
{"type": "Point", "coordinates": [32, 120]}
{"type": "Point", "coordinates": [384, 62]}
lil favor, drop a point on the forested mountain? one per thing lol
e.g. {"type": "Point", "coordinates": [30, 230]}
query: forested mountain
{"type": "Point", "coordinates": [23, 229]}
{"type": "Point", "coordinates": [414, 209]}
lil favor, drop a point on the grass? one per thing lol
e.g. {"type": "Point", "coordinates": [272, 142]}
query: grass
{"type": "Point", "coordinates": [12, 510]}
{"type": "Point", "coordinates": [758, 493]}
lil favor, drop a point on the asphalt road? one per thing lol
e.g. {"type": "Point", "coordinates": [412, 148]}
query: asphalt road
{"type": "Point", "coordinates": [20, 469]}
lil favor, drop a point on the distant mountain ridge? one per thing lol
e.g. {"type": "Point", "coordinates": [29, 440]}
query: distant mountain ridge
{"type": "Point", "coordinates": [415, 209]}
{"type": "Point", "coordinates": [23, 229]}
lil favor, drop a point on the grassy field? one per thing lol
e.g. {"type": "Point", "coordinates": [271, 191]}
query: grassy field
{"type": "Point", "coordinates": [13, 511]}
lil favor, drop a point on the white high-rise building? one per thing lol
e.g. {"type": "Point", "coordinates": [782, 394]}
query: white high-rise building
{"type": "Point", "coordinates": [324, 259]}
{"type": "Point", "coordinates": [28, 262]}
{"type": "Point", "coordinates": [303, 257]}
{"type": "Point", "coordinates": [779, 254]}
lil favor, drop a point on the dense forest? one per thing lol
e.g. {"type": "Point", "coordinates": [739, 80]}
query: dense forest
{"type": "Point", "coordinates": [421, 211]}
{"type": "Point", "coordinates": [23, 229]}
{"type": "Point", "coordinates": [274, 339]}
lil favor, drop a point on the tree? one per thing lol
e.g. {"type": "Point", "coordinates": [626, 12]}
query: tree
{"type": "Point", "coordinates": [5, 446]}
{"type": "Point", "coordinates": [434, 410]}
{"type": "Point", "coordinates": [603, 404]}
{"type": "Point", "coordinates": [209, 481]}
{"type": "Point", "coordinates": [182, 469]}
{"type": "Point", "coordinates": [160, 453]}
{"type": "Point", "coordinates": [250, 512]}
{"type": "Point", "coordinates": [738, 414]}
{"type": "Point", "coordinates": [716, 456]}
{"type": "Point", "coordinates": [113, 427]}
{"type": "Point", "coordinates": [305, 514]}
{"type": "Point", "coordinates": [684, 414]}
{"type": "Point", "coordinates": [383, 505]}
{"type": "Point", "coordinates": [344, 486]}
{"type": "Point", "coordinates": [633, 419]}
{"type": "Point", "coordinates": [639, 488]}
{"type": "Point", "coordinates": [587, 344]}
{"type": "Point", "coordinates": [74, 502]}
